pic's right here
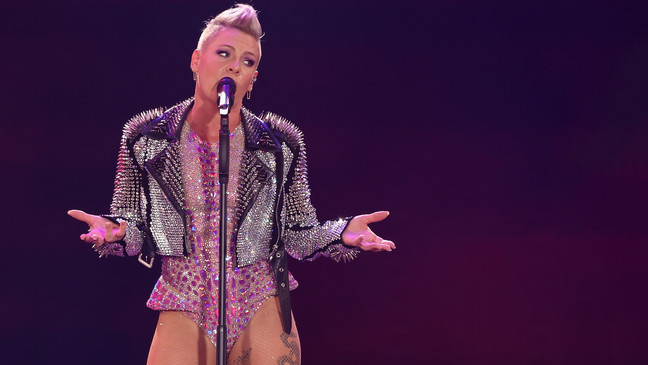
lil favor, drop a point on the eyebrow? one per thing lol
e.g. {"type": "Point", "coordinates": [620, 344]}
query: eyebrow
{"type": "Point", "coordinates": [244, 52]}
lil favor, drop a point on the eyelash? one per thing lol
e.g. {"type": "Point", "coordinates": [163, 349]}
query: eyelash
{"type": "Point", "coordinates": [248, 62]}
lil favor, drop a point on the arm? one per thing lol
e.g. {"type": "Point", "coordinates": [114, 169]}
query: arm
{"type": "Point", "coordinates": [127, 195]}
{"type": "Point", "coordinates": [304, 236]}
{"type": "Point", "coordinates": [121, 232]}
{"type": "Point", "coordinates": [355, 235]}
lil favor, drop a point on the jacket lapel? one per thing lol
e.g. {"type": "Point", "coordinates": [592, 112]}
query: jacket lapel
{"type": "Point", "coordinates": [164, 166]}
{"type": "Point", "coordinates": [257, 163]}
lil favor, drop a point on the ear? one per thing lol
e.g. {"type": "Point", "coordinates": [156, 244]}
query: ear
{"type": "Point", "coordinates": [195, 60]}
{"type": "Point", "coordinates": [256, 73]}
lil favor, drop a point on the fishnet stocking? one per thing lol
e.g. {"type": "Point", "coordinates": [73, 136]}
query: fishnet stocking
{"type": "Point", "coordinates": [264, 342]}
{"type": "Point", "coordinates": [178, 341]}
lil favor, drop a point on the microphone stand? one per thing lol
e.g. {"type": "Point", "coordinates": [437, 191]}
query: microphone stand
{"type": "Point", "coordinates": [223, 177]}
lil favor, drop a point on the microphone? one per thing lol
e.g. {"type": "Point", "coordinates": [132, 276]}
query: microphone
{"type": "Point", "coordinates": [226, 89]}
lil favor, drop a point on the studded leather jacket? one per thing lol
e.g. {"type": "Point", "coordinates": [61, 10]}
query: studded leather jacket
{"type": "Point", "coordinates": [273, 214]}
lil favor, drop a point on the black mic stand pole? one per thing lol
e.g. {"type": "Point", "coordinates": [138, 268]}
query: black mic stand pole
{"type": "Point", "coordinates": [223, 177]}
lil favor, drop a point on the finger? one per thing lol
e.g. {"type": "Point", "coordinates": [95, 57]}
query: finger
{"type": "Point", "coordinates": [109, 232]}
{"type": "Point", "coordinates": [376, 216]}
{"type": "Point", "coordinates": [122, 229]}
{"type": "Point", "coordinates": [389, 243]}
{"type": "Point", "coordinates": [384, 242]}
{"type": "Point", "coordinates": [372, 246]}
{"type": "Point", "coordinates": [111, 236]}
{"type": "Point", "coordinates": [378, 245]}
{"type": "Point", "coordinates": [88, 237]}
{"type": "Point", "coordinates": [97, 240]}
{"type": "Point", "coordinates": [81, 215]}
{"type": "Point", "coordinates": [382, 247]}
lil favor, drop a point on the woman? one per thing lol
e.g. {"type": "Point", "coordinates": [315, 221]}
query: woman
{"type": "Point", "coordinates": [166, 203]}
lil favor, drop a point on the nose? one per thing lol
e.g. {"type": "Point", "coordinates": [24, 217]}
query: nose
{"type": "Point", "coordinates": [234, 67]}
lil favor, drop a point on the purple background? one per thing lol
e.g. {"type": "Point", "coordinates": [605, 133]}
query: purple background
{"type": "Point", "coordinates": [507, 138]}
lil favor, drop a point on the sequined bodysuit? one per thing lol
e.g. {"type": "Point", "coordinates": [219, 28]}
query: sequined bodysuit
{"type": "Point", "coordinates": [190, 284]}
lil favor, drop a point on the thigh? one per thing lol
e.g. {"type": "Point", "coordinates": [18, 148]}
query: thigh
{"type": "Point", "coordinates": [179, 340]}
{"type": "Point", "coordinates": [264, 341]}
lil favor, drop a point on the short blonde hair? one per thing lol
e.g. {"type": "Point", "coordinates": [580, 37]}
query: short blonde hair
{"type": "Point", "coordinates": [241, 16]}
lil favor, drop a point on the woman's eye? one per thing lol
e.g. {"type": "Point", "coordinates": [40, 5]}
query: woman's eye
{"type": "Point", "coordinates": [249, 62]}
{"type": "Point", "coordinates": [222, 53]}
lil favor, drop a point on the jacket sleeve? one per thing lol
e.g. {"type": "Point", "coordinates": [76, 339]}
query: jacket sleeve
{"type": "Point", "coordinates": [304, 236]}
{"type": "Point", "coordinates": [128, 197]}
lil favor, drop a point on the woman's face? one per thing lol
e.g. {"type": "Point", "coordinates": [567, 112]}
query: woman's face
{"type": "Point", "coordinates": [229, 53]}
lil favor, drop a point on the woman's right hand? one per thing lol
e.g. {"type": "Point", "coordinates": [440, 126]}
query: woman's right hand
{"type": "Point", "coordinates": [101, 230]}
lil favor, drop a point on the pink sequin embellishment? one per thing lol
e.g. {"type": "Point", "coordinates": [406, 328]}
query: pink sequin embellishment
{"type": "Point", "coordinates": [191, 284]}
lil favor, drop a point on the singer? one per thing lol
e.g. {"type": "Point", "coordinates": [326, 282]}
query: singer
{"type": "Point", "coordinates": [165, 209]}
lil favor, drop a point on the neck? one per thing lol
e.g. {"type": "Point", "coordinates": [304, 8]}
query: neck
{"type": "Point", "coordinates": [205, 120]}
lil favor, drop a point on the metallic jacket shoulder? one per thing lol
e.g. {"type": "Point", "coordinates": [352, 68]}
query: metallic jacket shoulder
{"type": "Point", "coordinates": [137, 123]}
{"type": "Point", "coordinates": [284, 129]}
{"type": "Point", "coordinates": [157, 122]}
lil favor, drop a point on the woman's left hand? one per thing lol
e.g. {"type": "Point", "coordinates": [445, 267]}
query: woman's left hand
{"type": "Point", "coordinates": [358, 234]}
